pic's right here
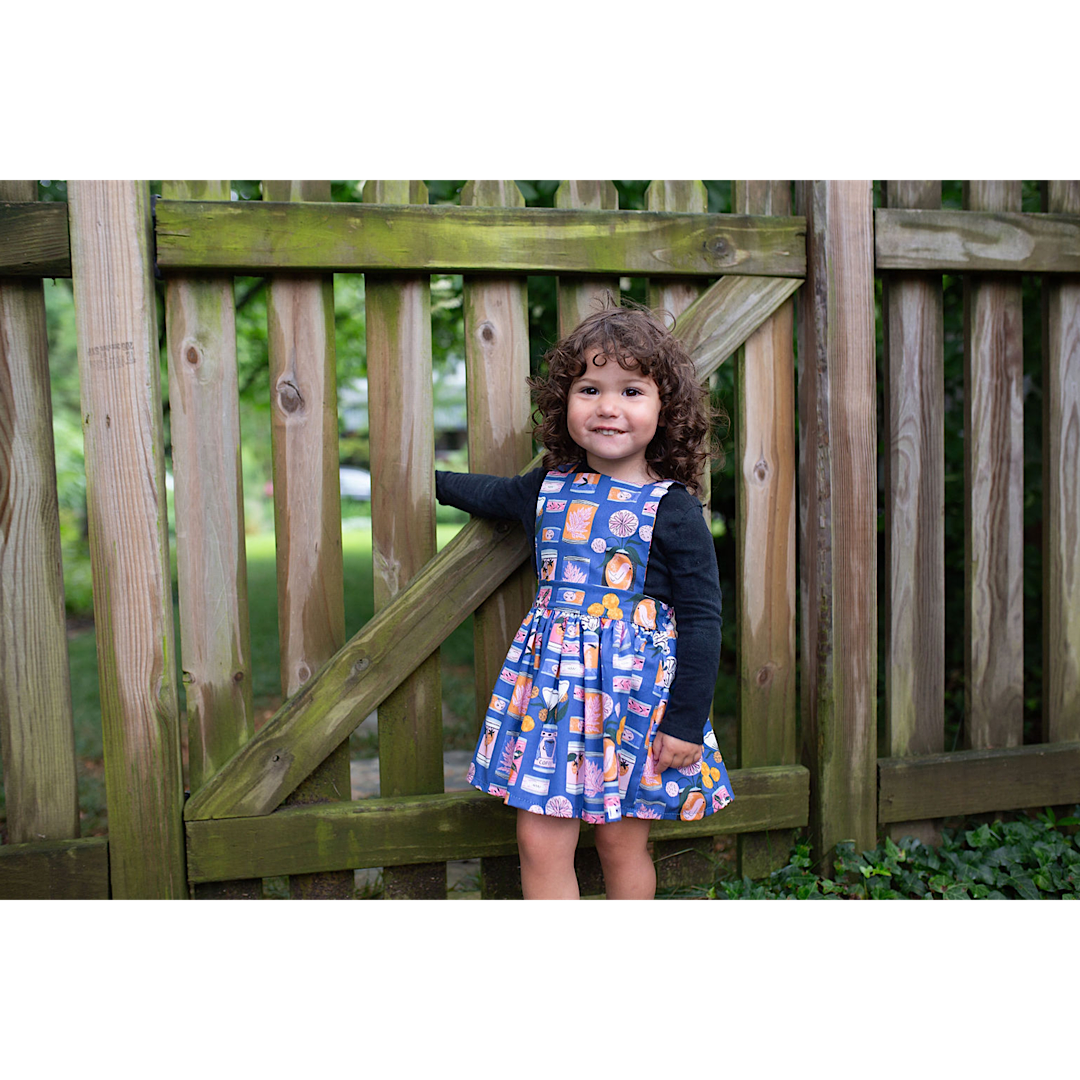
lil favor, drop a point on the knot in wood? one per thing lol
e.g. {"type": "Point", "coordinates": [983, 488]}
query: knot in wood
{"type": "Point", "coordinates": [304, 673]}
{"type": "Point", "coordinates": [719, 247]}
{"type": "Point", "coordinates": [192, 355]}
{"type": "Point", "coordinates": [761, 471]}
{"type": "Point", "coordinates": [487, 332]}
{"type": "Point", "coordinates": [361, 665]}
{"type": "Point", "coordinates": [238, 677]}
{"type": "Point", "coordinates": [765, 675]}
{"type": "Point", "coordinates": [289, 397]}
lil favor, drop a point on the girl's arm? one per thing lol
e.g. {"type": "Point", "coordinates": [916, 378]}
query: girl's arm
{"type": "Point", "coordinates": [690, 558]}
{"type": "Point", "coordinates": [505, 497]}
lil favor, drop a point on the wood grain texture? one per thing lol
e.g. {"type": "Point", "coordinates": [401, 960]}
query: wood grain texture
{"type": "Point", "coordinates": [36, 733]}
{"type": "Point", "coordinates": [119, 369]}
{"type": "Point", "coordinates": [994, 489]}
{"type": "Point", "coordinates": [500, 429]}
{"type": "Point", "coordinates": [401, 409]}
{"type": "Point", "coordinates": [421, 829]}
{"type": "Point", "coordinates": [581, 295]}
{"type": "Point", "coordinates": [403, 634]}
{"type": "Point", "coordinates": [913, 314]}
{"type": "Point", "coordinates": [209, 498]}
{"type": "Point", "coordinates": [254, 237]}
{"type": "Point", "coordinates": [33, 235]}
{"type": "Point", "coordinates": [55, 870]}
{"type": "Point", "coordinates": [766, 601]}
{"type": "Point", "coordinates": [1061, 491]}
{"type": "Point", "coordinates": [979, 781]}
{"type": "Point", "coordinates": [987, 239]}
{"type": "Point", "coordinates": [837, 503]}
{"type": "Point", "coordinates": [307, 504]}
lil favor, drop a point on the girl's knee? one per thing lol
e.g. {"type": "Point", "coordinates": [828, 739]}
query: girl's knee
{"type": "Point", "coordinates": [628, 837]}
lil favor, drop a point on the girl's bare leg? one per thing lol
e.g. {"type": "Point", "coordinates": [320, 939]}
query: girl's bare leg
{"type": "Point", "coordinates": [629, 873]}
{"type": "Point", "coordinates": [546, 846]}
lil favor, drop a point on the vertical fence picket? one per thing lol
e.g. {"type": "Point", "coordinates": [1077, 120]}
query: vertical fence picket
{"type": "Point", "coordinates": [1061, 491]}
{"type": "Point", "coordinates": [211, 562]}
{"type": "Point", "coordinates": [679, 862]}
{"type": "Point", "coordinates": [837, 512]}
{"type": "Point", "coordinates": [497, 365]}
{"type": "Point", "coordinates": [119, 370]}
{"type": "Point", "coordinates": [994, 494]}
{"type": "Point", "coordinates": [403, 522]}
{"type": "Point", "coordinates": [914, 361]}
{"type": "Point", "coordinates": [581, 295]}
{"type": "Point", "coordinates": [766, 601]}
{"type": "Point", "coordinates": [307, 504]}
{"type": "Point", "coordinates": [36, 731]}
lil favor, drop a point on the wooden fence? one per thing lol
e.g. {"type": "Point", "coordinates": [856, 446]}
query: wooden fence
{"type": "Point", "coordinates": [276, 802]}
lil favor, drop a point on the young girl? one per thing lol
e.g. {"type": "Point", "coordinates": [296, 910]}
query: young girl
{"type": "Point", "coordinates": [588, 721]}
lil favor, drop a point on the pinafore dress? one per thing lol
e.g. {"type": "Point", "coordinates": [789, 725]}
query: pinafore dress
{"type": "Point", "coordinates": [572, 716]}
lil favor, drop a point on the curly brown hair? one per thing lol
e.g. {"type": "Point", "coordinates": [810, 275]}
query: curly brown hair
{"type": "Point", "coordinates": [635, 338]}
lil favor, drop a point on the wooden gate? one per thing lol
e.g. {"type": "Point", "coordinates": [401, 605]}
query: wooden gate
{"type": "Point", "coordinates": [276, 802]}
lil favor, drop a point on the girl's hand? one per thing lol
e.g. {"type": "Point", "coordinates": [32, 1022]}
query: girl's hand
{"type": "Point", "coordinates": [669, 752]}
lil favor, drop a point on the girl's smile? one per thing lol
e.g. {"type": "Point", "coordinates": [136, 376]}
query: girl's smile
{"type": "Point", "coordinates": [613, 414]}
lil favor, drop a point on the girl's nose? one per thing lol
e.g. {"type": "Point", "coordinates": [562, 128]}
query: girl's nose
{"type": "Point", "coordinates": [607, 405]}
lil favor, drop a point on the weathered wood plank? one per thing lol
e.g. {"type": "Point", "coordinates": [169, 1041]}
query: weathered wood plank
{"type": "Point", "coordinates": [914, 504]}
{"type": "Point", "coordinates": [215, 639]}
{"type": "Point", "coordinates": [994, 495]}
{"type": "Point", "coordinates": [581, 296]}
{"type": "Point", "coordinates": [119, 369]}
{"type": "Point", "coordinates": [56, 870]}
{"type": "Point", "coordinates": [500, 442]}
{"type": "Point", "coordinates": [837, 503]}
{"type": "Point", "coordinates": [978, 781]}
{"type": "Point", "coordinates": [33, 235]}
{"type": "Point", "coordinates": [421, 829]}
{"type": "Point", "coordinates": [914, 498]}
{"type": "Point", "coordinates": [307, 504]}
{"type": "Point", "coordinates": [210, 554]}
{"type": "Point", "coordinates": [766, 601]}
{"type": "Point", "coordinates": [350, 237]}
{"type": "Point", "coordinates": [500, 430]}
{"type": "Point", "coordinates": [408, 630]}
{"type": "Point", "coordinates": [958, 240]}
{"type": "Point", "coordinates": [1061, 491]}
{"type": "Point", "coordinates": [403, 521]}
{"type": "Point", "coordinates": [715, 325]}
{"type": "Point", "coordinates": [36, 734]}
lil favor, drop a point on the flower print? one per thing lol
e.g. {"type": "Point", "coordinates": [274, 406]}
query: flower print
{"type": "Point", "coordinates": [596, 609]}
{"type": "Point", "coordinates": [672, 788]}
{"type": "Point", "coordinates": [590, 622]}
{"type": "Point", "coordinates": [710, 774]}
{"type": "Point", "coordinates": [691, 770]}
{"type": "Point", "coordinates": [623, 522]}
{"type": "Point", "coordinates": [599, 545]}
{"type": "Point", "coordinates": [559, 806]}
{"type": "Point", "coordinates": [535, 809]}
{"type": "Point", "coordinates": [645, 532]}
{"type": "Point", "coordinates": [660, 641]}
{"type": "Point", "coordinates": [647, 812]}
{"type": "Point", "coordinates": [608, 704]}
{"type": "Point", "coordinates": [528, 723]}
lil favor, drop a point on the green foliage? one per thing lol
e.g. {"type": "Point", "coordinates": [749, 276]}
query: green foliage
{"type": "Point", "coordinates": [1027, 858]}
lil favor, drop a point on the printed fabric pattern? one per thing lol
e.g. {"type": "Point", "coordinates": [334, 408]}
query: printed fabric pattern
{"type": "Point", "coordinates": [585, 684]}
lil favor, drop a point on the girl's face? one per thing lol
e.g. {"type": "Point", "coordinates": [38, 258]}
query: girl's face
{"type": "Point", "coordinates": [612, 414]}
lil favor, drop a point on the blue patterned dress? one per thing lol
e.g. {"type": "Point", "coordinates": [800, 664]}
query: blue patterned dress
{"type": "Point", "coordinates": [571, 719]}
